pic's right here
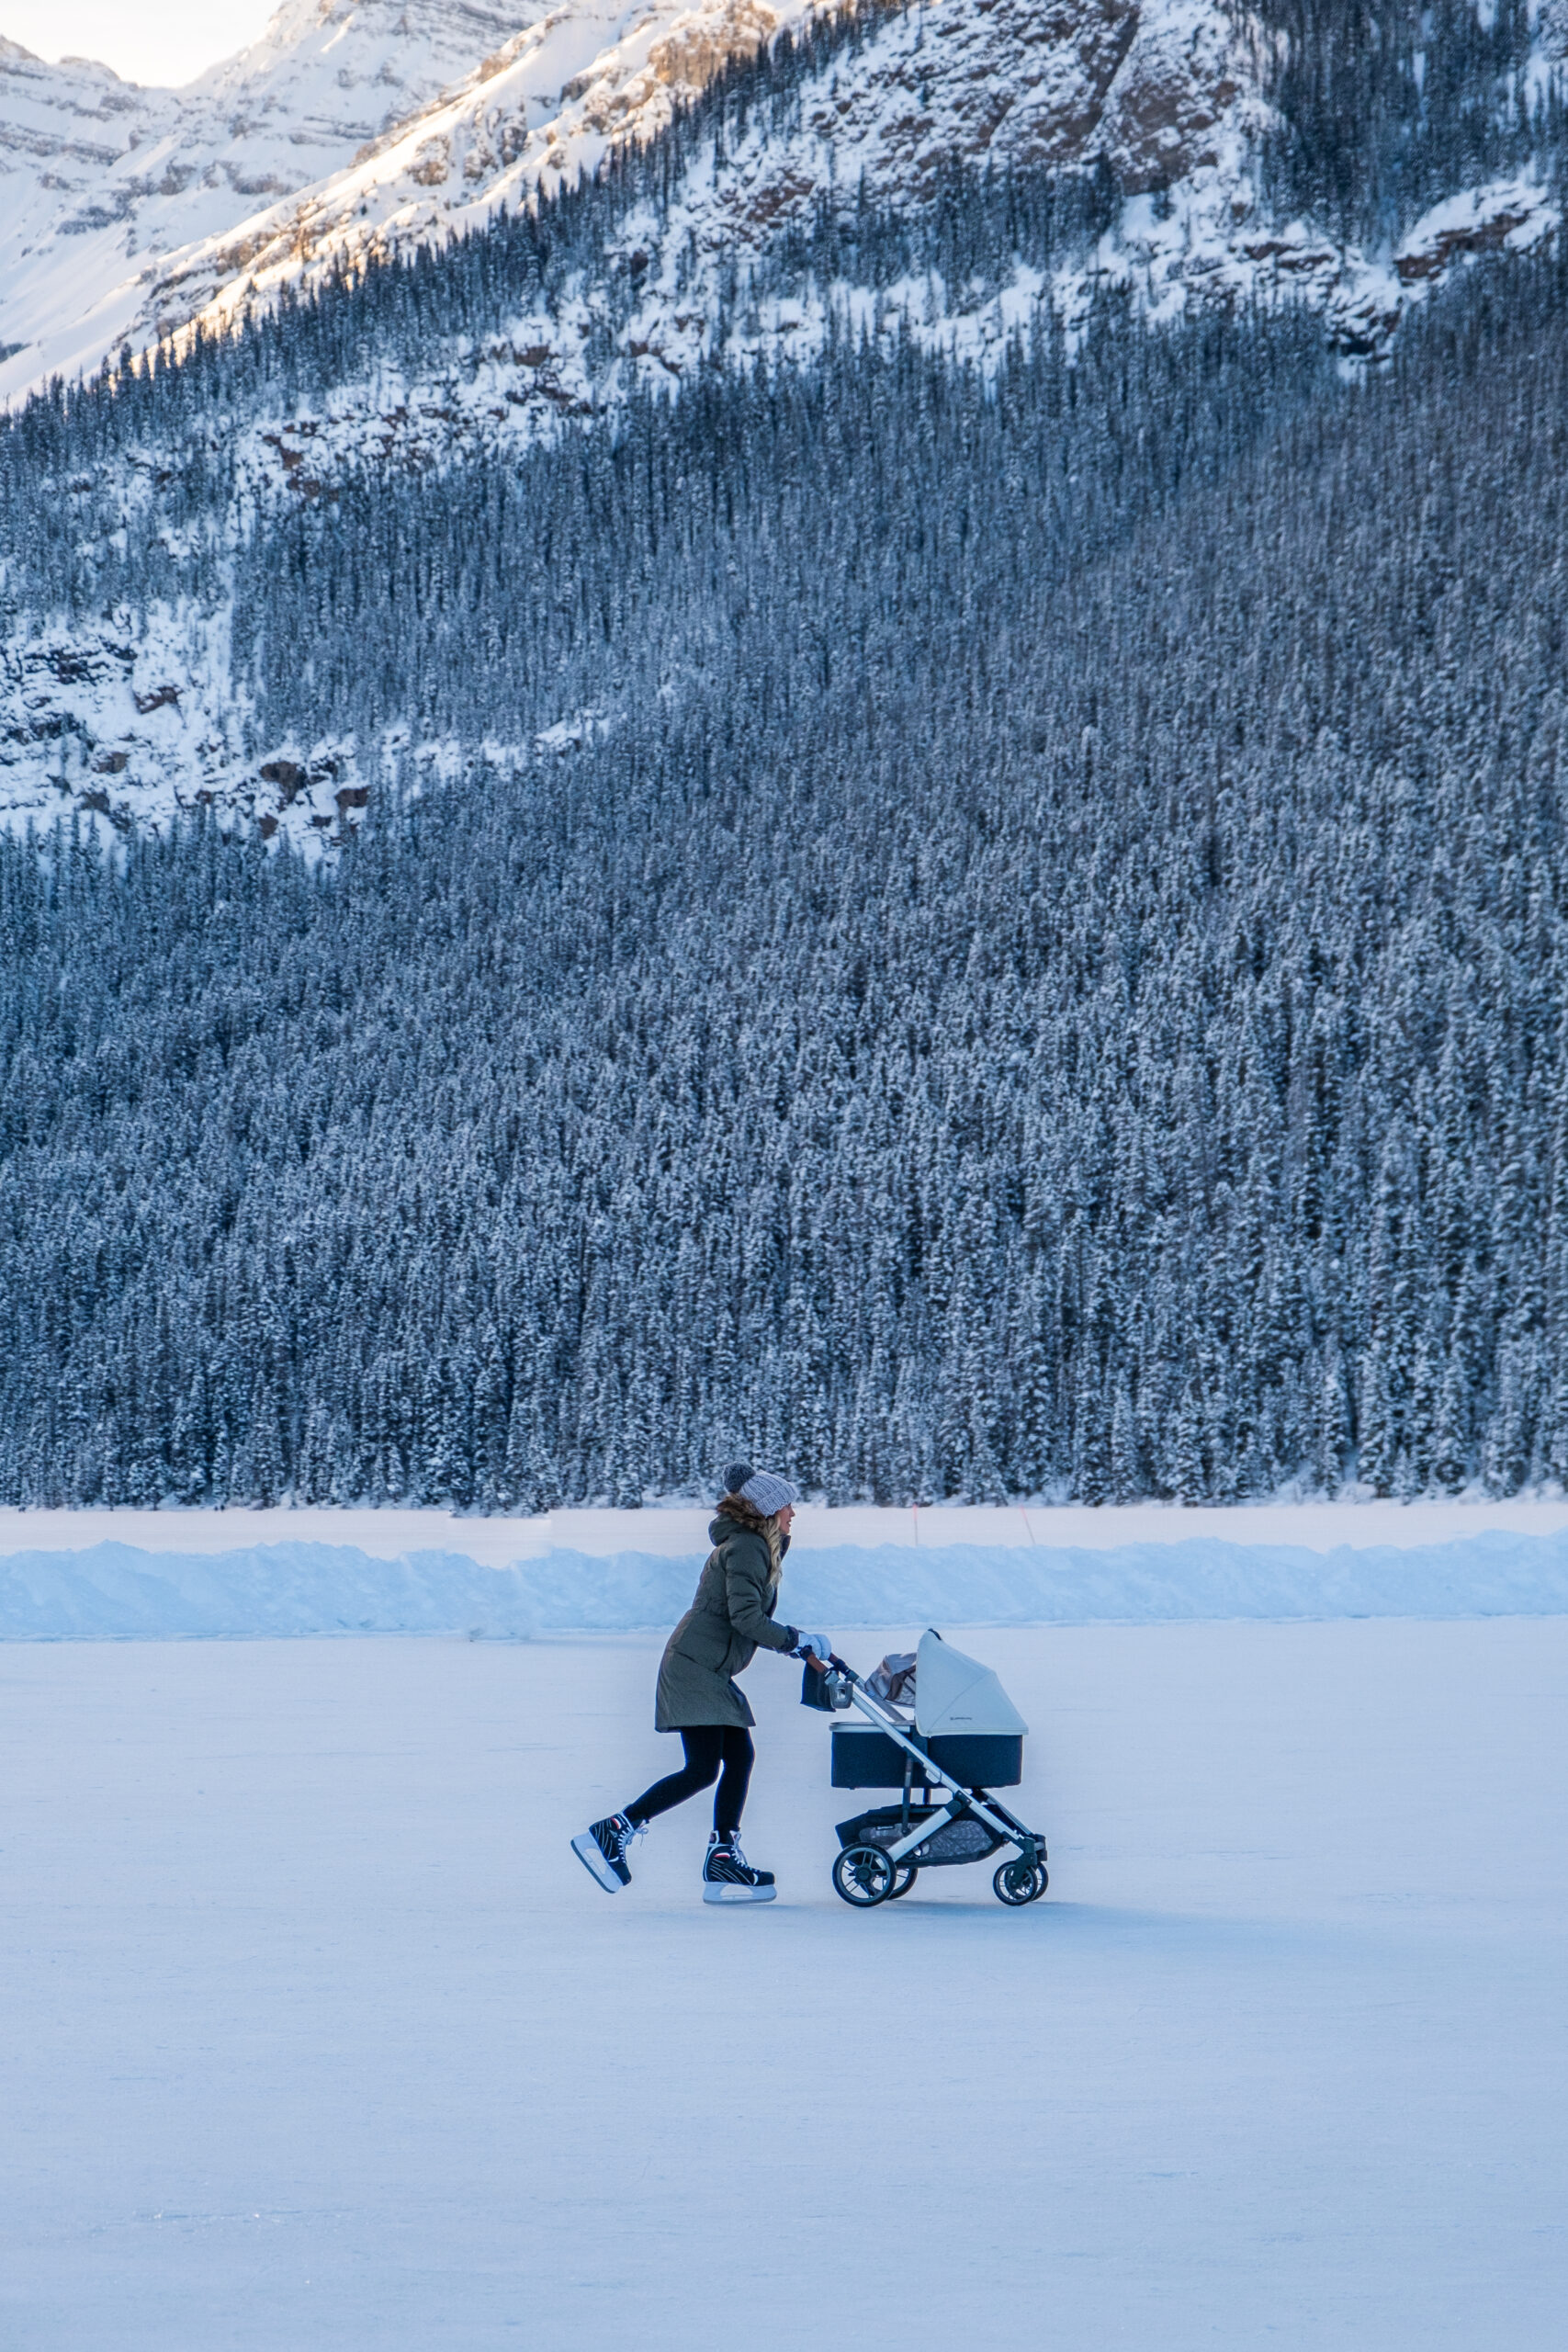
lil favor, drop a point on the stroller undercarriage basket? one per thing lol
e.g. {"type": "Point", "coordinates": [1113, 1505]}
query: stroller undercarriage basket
{"type": "Point", "coordinates": [963, 1840]}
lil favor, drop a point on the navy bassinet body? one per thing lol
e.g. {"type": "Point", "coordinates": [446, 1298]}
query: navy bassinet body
{"type": "Point", "coordinates": [970, 1760]}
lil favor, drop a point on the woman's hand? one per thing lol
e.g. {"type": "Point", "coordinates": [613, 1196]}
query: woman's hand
{"type": "Point", "coordinates": [816, 1646]}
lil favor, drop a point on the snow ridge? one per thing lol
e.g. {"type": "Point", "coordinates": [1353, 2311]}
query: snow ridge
{"type": "Point", "coordinates": [114, 1592]}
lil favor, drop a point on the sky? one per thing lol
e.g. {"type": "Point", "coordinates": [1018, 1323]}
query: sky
{"type": "Point", "coordinates": [157, 42]}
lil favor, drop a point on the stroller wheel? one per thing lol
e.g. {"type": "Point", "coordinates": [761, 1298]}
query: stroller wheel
{"type": "Point", "coordinates": [863, 1875]}
{"type": "Point", "coordinates": [904, 1878]}
{"type": "Point", "coordinates": [1020, 1882]}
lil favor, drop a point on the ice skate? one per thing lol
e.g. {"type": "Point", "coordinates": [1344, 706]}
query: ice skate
{"type": "Point", "coordinates": [728, 1876]}
{"type": "Point", "coordinates": [601, 1851]}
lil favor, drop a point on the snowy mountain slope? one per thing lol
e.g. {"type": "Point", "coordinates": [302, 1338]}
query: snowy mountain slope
{"type": "Point", "coordinates": [1033, 82]}
{"type": "Point", "coordinates": [100, 179]}
{"type": "Point", "coordinates": [1161, 92]}
{"type": "Point", "coordinates": [135, 716]}
{"type": "Point", "coordinates": [138, 718]}
{"type": "Point", "coordinates": [359, 124]}
{"type": "Point", "coordinates": [459, 112]}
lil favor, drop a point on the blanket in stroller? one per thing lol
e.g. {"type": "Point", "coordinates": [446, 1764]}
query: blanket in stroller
{"type": "Point", "coordinates": [894, 1679]}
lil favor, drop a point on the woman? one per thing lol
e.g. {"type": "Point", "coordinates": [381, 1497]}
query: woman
{"type": "Point", "coordinates": [729, 1620]}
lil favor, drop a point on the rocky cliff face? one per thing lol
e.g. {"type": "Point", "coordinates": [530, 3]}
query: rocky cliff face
{"type": "Point", "coordinates": [1168, 94]}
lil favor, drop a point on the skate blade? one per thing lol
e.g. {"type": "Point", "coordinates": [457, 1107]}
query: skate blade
{"type": "Point", "coordinates": [722, 1892]}
{"type": "Point", "coordinates": [593, 1861]}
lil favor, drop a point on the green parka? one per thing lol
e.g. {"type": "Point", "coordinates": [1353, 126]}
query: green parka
{"type": "Point", "coordinates": [730, 1619]}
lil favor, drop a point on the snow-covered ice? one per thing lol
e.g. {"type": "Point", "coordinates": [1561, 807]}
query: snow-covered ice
{"type": "Point", "coordinates": [317, 2036]}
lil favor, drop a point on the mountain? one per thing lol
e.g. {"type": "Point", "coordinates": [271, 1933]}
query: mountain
{"type": "Point", "coordinates": [706, 190]}
{"type": "Point", "coordinates": [351, 128]}
{"type": "Point", "coordinates": [102, 181]}
{"type": "Point", "coordinates": [357, 129]}
{"type": "Point", "coordinates": [844, 736]}
{"type": "Point", "coordinates": [1162, 92]}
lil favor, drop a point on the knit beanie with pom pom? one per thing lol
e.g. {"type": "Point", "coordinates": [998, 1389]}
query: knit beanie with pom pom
{"type": "Point", "coordinates": [764, 1492]}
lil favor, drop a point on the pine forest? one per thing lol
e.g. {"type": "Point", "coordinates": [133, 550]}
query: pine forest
{"type": "Point", "coordinates": [1027, 954]}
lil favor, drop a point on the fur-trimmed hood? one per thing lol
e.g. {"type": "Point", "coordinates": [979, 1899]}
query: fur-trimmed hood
{"type": "Point", "coordinates": [738, 1510]}
{"type": "Point", "coordinates": [734, 1512]}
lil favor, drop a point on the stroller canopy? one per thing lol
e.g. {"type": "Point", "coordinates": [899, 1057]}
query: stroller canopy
{"type": "Point", "coordinates": [954, 1693]}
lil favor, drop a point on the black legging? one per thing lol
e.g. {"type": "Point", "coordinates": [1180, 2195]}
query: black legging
{"type": "Point", "coordinates": [707, 1747]}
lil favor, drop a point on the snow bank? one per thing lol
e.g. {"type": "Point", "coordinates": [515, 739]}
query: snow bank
{"type": "Point", "coordinates": [1491, 1575]}
{"type": "Point", "coordinates": [117, 1591]}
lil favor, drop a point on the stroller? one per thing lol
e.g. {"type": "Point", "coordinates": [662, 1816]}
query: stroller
{"type": "Point", "coordinates": [966, 1733]}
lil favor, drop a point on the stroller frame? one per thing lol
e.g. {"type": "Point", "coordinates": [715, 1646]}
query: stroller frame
{"type": "Point", "coordinates": [977, 1804]}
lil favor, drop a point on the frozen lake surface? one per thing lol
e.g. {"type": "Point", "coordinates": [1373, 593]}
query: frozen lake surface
{"type": "Point", "coordinates": [316, 2035]}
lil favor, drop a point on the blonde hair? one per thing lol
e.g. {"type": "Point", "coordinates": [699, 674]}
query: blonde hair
{"type": "Point", "coordinates": [737, 1508]}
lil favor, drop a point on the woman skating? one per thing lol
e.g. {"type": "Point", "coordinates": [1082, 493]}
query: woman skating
{"type": "Point", "coordinates": [730, 1619]}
